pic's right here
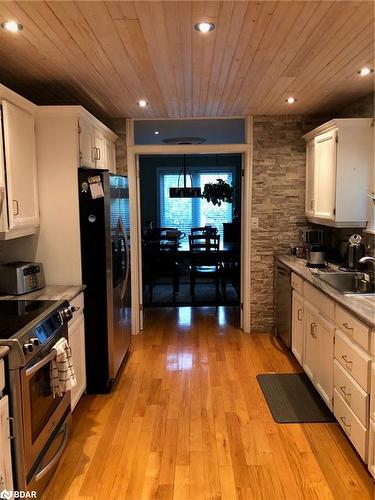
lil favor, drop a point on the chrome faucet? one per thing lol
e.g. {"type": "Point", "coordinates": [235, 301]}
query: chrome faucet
{"type": "Point", "coordinates": [366, 259]}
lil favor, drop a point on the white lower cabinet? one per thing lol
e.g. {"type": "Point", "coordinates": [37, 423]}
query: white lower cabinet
{"type": "Point", "coordinates": [76, 334]}
{"type": "Point", "coordinates": [297, 326]}
{"type": "Point", "coordinates": [353, 428]}
{"type": "Point", "coordinates": [337, 352]}
{"type": "Point", "coordinates": [6, 479]}
{"type": "Point", "coordinates": [371, 452]}
{"type": "Point", "coordinates": [318, 352]}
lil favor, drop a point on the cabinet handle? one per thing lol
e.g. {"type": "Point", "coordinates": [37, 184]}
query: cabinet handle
{"type": "Point", "coordinates": [17, 212]}
{"type": "Point", "coordinates": [95, 153]}
{"type": "Point", "coordinates": [348, 426]}
{"type": "Point", "coordinates": [11, 433]}
{"type": "Point", "coordinates": [312, 204]}
{"type": "Point", "coordinates": [347, 361]}
{"type": "Point", "coordinates": [349, 328]}
{"type": "Point", "coordinates": [99, 155]}
{"type": "Point", "coordinates": [299, 314]}
{"type": "Point", "coordinates": [346, 394]}
{"type": "Point", "coordinates": [312, 330]}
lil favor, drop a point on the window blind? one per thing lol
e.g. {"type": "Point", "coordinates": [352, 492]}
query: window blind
{"type": "Point", "coordinates": [185, 213]}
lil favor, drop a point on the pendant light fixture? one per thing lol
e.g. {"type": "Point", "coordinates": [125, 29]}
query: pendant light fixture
{"type": "Point", "coordinates": [185, 192]}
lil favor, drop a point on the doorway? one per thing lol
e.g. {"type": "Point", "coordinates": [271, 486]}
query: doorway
{"type": "Point", "coordinates": [219, 143]}
{"type": "Point", "coordinates": [191, 246]}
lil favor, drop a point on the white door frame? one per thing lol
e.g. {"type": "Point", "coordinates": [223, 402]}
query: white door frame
{"type": "Point", "coordinates": [133, 153]}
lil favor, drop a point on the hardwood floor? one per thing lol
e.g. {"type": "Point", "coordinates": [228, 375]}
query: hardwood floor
{"type": "Point", "coordinates": [187, 420]}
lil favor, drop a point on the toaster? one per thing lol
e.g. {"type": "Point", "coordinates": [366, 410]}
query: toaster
{"type": "Point", "coordinates": [17, 278]}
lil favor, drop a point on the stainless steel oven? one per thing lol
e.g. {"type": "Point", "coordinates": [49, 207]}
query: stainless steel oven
{"type": "Point", "coordinates": [41, 411]}
{"type": "Point", "coordinates": [41, 422]}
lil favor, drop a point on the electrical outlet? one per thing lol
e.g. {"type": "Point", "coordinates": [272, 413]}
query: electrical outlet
{"type": "Point", "coordinates": [254, 222]}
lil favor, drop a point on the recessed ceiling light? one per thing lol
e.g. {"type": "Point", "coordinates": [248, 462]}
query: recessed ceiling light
{"type": "Point", "coordinates": [142, 103]}
{"type": "Point", "coordinates": [12, 26]}
{"type": "Point", "coordinates": [365, 71]}
{"type": "Point", "coordinates": [204, 27]}
{"type": "Point", "coordinates": [291, 100]}
{"type": "Point", "coordinates": [156, 132]}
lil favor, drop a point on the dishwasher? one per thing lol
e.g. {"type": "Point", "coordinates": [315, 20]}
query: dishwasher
{"type": "Point", "coordinates": [283, 304]}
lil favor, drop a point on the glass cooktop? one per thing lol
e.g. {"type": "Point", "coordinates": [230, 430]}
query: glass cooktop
{"type": "Point", "coordinates": [15, 314]}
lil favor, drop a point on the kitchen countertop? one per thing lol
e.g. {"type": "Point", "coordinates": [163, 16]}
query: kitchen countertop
{"type": "Point", "coordinates": [361, 307]}
{"type": "Point", "coordinates": [50, 292]}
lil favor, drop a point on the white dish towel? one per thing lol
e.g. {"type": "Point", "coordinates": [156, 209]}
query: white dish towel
{"type": "Point", "coordinates": [61, 369]}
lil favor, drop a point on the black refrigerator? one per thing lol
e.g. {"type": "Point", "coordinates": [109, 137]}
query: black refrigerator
{"type": "Point", "coordinates": [105, 254]}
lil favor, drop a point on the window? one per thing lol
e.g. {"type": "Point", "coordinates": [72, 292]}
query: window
{"type": "Point", "coordinates": [185, 213]}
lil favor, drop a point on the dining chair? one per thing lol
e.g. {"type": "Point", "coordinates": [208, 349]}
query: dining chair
{"type": "Point", "coordinates": [160, 261]}
{"type": "Point", "coordinates": [204, 261]}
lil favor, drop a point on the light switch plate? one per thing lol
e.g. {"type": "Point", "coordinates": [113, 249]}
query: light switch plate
{"type": "Point", "coordinates": [254, 222]}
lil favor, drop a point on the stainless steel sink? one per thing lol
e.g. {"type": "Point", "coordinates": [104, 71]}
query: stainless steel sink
{"type": "Point", "coordinates": [349, 283]}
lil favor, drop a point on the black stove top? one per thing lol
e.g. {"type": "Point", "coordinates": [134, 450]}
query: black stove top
{"type": "Point", "coordinates": [15, 314]}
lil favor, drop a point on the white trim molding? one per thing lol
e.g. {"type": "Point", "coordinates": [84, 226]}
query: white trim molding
{"type": "Point", "coordinates": [133, 152]}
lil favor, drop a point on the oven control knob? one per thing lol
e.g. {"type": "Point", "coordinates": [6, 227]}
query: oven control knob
{"type": "Point", "coordinates": [28, 347]}
{"type": "Point", "coordinates": [34, 341]}
{"type": "Point", "coordinates": [66, 314]}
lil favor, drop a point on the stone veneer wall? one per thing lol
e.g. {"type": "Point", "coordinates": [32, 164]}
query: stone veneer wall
{"type": "Point", "coordinates": [278, 197]}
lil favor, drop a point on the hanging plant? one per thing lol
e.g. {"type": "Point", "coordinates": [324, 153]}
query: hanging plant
{"type": "Point", "coordinates": [218, 192]}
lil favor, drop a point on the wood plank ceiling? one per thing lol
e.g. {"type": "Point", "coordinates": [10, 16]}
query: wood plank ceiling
{"type": "Point", "coordinates": [107, 55]}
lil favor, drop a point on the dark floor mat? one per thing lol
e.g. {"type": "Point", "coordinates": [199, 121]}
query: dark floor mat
{"type": "Point", "coordinates": [292, 398]}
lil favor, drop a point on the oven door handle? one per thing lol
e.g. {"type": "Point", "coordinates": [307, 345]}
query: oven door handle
{"type": "Point", "coordinates": [41, 473]}
{"type": "Point", "coordinates": [41, 363]}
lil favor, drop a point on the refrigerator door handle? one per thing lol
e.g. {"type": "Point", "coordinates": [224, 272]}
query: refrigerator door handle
{"type": "Point", "coordinates": [127, 267]}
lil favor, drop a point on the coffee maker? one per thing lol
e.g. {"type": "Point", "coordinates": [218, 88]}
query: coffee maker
{"type": "Point", "coordinates": [355, 250]}
{"type": "Point", "coordinates": [315, 240]}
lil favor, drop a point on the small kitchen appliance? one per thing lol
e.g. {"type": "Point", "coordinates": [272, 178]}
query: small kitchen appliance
{"type": "Point", "coordinates": [316, 256]}
{"type": "Point", "coordinates": [17, 278]}
{"type": "Point", "coordinates": [355, 250]}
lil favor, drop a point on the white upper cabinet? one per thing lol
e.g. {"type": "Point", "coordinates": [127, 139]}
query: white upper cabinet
{"type": "Point", "coordinates": [99, 145]}
{"type": "Point", "coordinates": [338, 164]}
{"type": "Point", "coordinates": [94, 146]}
{"type": "Point", "coordinates": [87, 153]}
{"type": "Point", "coordinates": [19, 193]}
{"type": "Point", "coordinates": [325, 175]}
{"type": "Point", "coordinates": [310, 154]}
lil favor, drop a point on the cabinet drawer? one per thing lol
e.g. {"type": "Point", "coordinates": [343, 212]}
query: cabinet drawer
{"type": "Point", "coordinates": [354, 328]}
{"type": "Point", "coordinates": [297, 283]}
{"type": "Point", "coordinates": [372, 396]}
{"type": "Point", "coordinates": [371, 451]}
{"type": "Point", "coordinates": [325, 305]}
{"type": "Point", "coordinates": [2, 375]}
{"type": "Point", "coordinates": [351, 425]}
{"type": "Point", "coordinates": [353, 359]}
{"type": "Point", "coordinates": [352, 393]}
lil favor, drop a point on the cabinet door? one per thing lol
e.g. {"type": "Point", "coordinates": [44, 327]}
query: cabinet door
{"type": "Point", "coordinates": [324, 373]}
{"type": "Point", "coordinates": [76, 334]}
{"type": "Point", "coordinates": [111, 156]}
{"type": "Point", "coordinates": [6, 480]}
{"type": "Point", "coordinates": [311, 344]}
{"type": "Point", "coordinates": [99, 143]}
{"type": "Point", "coordinates": [86, 144]}
{"type": "Point", "coordinates": [310, 159]}
{"type": "Point", "coordinates": [20, 167]}
{"type": "Point", "coordinates": [297, 327]}
{"type": "Point", "coordinates": [325, 175]}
